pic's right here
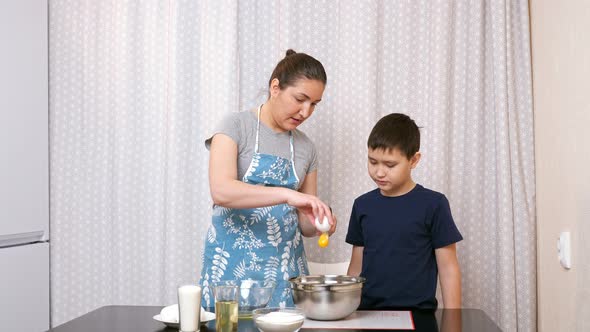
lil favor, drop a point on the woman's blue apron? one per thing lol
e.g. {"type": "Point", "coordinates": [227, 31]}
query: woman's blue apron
{"type": "Point", "coordinates": [259, 243]}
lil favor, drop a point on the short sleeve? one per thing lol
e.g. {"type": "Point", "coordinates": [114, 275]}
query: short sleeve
{"type": "Point", "coordinates": [314, 159]}
{"type": "Point", "coordinates": [444, 231]}
{"type": "Point", "coordinates": [355, 232]}
{"type": "Point", "coordinates": [230, 126]}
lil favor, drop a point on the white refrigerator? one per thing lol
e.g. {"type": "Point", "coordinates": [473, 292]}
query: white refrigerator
{"type": "Point", "coordinates": [24, 166]}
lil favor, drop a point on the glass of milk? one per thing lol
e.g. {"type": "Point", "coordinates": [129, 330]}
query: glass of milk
{"type": "Point", "coordinates": [189, 308]}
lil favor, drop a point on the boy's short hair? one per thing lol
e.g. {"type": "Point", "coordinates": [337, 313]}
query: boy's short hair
{"type": "Point", "coordinates": [395, 131]}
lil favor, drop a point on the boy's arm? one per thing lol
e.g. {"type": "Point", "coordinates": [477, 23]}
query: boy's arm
{"type": "Point", "coordinates": [356, 261]}
{"type": "Point", "coordinates": [449, 275]}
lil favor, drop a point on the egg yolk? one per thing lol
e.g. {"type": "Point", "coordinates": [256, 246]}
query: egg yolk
{"type": "Point", "coordinates": [323, 240]}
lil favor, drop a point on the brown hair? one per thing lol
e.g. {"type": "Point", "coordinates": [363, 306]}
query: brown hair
{"type": "Point", "coordinates": [295, 66]}
{"type": "Point", "coordinates": [393, 131]}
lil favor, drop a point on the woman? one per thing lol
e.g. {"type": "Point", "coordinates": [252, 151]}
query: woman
{"type": "Point", "coordinates": [263, 181]}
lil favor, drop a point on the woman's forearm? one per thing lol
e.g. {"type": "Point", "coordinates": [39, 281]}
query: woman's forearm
{"type": "Point", "coordinates": [307, 228]}
{"type": "Point", "coordinates": [239, 195]}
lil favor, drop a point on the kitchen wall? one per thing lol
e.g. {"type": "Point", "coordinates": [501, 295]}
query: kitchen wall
{"type": "Point", "coordinates": [561, 70]}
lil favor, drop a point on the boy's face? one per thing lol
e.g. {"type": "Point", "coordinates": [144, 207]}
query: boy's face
{"type": "Point", "coordinates": [392, 171]}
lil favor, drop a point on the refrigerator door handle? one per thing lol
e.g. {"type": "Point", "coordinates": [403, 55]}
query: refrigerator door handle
{"type": "Point", "coordinates": [18, 239]}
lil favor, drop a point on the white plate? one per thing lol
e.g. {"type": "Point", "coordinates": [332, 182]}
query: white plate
{"type": "Point", "coordinates": [208, 316]}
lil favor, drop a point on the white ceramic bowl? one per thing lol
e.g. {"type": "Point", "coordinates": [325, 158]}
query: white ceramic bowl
{"type": "Point", "coordinates": [278, 319]}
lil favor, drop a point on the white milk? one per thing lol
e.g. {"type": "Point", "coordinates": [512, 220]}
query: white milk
{"type": "Point", "coordinates": [189, 307]}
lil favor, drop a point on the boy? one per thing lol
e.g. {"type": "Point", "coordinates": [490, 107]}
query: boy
{"type": "Point", "coordinates": [403, 234]}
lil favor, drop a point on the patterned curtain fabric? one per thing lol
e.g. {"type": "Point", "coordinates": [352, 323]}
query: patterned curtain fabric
{"type": "Point", "coordinates": [136, 87]}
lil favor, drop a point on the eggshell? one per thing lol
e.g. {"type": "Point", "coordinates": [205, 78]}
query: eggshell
{"type": "Point", "coordinates": [324, 226]}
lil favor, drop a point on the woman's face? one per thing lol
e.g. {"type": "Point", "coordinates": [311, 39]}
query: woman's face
{"type": "Point", "coordinates": [294, 104]}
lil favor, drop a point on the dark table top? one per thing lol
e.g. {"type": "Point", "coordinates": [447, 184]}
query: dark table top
{"type": "Point", "coordinates": [140, 318]}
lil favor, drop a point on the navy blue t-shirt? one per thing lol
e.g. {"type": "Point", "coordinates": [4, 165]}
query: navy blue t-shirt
{"type": "Point", "coordinates": [399, 235]}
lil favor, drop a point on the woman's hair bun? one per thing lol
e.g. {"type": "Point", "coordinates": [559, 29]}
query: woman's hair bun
{"type": "Point", "coordinates": [295, 66]}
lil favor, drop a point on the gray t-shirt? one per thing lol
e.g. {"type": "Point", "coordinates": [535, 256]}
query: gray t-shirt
{"type": "Point", "coordinates": [241, 127]}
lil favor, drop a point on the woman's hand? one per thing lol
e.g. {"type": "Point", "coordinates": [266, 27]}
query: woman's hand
{"type": "Point", "coordinates": [311, 207]}
{"type": "Point", "coordinates": [333, 225]}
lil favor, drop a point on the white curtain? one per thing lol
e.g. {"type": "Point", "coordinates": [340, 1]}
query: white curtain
{"type": "Point", "coordinates": [136, 86]}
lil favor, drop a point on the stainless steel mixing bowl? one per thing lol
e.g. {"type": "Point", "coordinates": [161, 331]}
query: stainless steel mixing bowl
{"type": "Point", "coordinates": [327, 297]}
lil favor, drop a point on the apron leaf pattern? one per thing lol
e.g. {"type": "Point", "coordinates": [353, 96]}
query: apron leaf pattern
{"type": "Point", "coordinates": [258, 214]}
{"type": "Point", "coordinates": [274, 232]}
{"type": "Point", "coordinates": [270, 270]}
{"type": "Point", "coordinates": [206, 292]}
{"type": "Point", "coordinates": [300, 264]}
{"type": "Point", "coordinates": [229, 225]}
{"type": "Point", "coordinates": [290, 220]}
{"type": "Point", "coordinates": [297, 239]}
{"type": "Point", "coordinates": [285, 260]}
{"type": "Point", "coordinates": [247, 240]}
{"type": "Point", "coordinates": [253, 166]}
{"type": "Point", "coordinates": [261, 243]}
{"type": "Point", "coordinates": [277, 171]}
{"type": "Point", "coordinates": [240, 270]}
{"type": "Point", "coordinates": [285, 294]}
{"type": "Point", "coordinates": [255, 262]}
{"type": "Point", "coordinates": [219, 264]}
{"type": "Point", "coordinates": [211, 234]}
{"type": "Point", "coordinates": [221, 211]}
